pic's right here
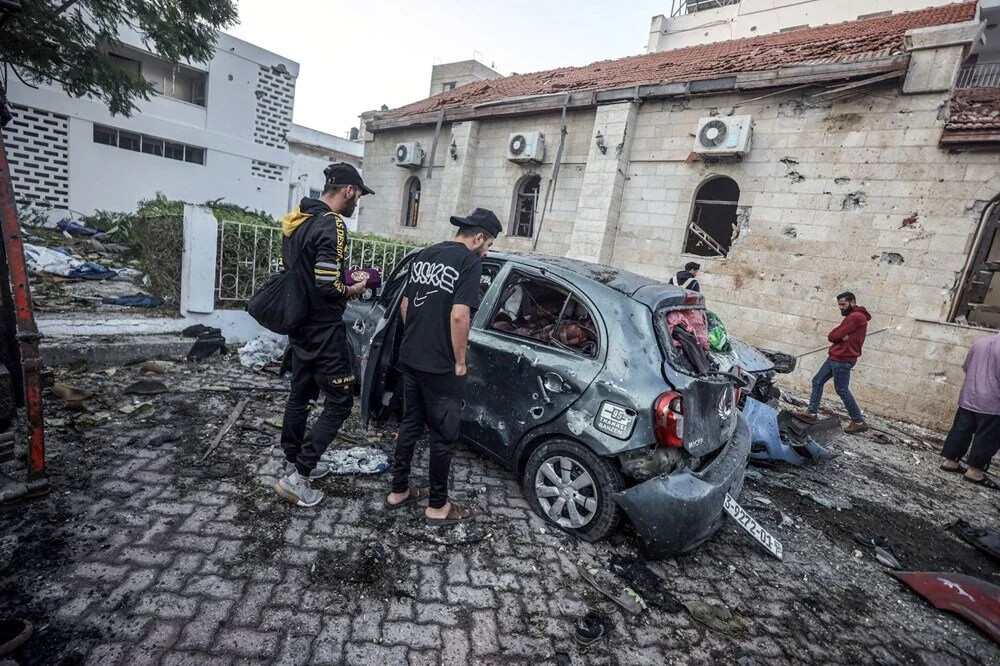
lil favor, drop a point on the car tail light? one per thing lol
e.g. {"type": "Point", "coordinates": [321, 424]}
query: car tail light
{"type": "Point", "coordinates": [668, 419]}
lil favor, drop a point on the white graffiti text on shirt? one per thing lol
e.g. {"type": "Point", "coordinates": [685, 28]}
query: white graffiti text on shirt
{"type": "Point", "coordinates": [437, 275]}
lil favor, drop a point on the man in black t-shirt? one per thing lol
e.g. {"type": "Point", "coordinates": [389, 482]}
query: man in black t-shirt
{"type": "Point", "coordinates": [440, 297]}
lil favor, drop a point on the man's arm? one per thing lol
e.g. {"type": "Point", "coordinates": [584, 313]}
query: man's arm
{"type": "Point", "coordinates": [403, 306]}
{"type": "Point", "coordinates": [461, 322]}
{"type": "Point", "coordinates": [850, 325]}
{"type": "Point", "coordinates": [331, 248]}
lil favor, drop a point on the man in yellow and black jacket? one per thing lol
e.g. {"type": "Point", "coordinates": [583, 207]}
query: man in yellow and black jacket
{"type": "Point", "coordinates": [315, 240]}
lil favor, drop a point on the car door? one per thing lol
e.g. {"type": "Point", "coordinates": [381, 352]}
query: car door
{"type": "Point", "coordinates": [372, 330]}
{"type": "Point", "coordinates": [517, 383]}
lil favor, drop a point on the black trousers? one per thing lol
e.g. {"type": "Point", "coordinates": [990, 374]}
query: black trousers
{"type": "Point", "coordinates": [981, 430]}
{"type": "Point", "coordinates": [434, 401]}
{"type": "Point", "coordinates": [320, 363]}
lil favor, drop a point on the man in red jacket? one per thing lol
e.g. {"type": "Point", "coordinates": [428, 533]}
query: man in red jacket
{"type": "Point", "coordinates": [847, 339]}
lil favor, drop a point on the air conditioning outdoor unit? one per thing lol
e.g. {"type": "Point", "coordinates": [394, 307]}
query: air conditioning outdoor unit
{"type": "Point", "coordinates": [724, 136]}
{"type": "Point", "coordinates": [526, 147]}
{"type": "Point", "coordinates": [409, 154]}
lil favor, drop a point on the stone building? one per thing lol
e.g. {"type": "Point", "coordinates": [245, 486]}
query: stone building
{"type": "Point", "coordinates": [867, 171]}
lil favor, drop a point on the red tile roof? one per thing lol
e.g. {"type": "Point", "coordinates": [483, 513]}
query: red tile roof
{"type": "Point", "coordinates": [974, 110]}
{"type": "Point", "coordinates": [843, 42]}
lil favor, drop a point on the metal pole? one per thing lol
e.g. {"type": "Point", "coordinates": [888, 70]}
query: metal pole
{"type": "Point", "coordinates": [27, 331]}
{"type": "Point", "coordinates": [827, 345]}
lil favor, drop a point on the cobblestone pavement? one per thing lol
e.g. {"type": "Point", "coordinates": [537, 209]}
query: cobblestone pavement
{"type": "Point", "coordinates": [142, 555]}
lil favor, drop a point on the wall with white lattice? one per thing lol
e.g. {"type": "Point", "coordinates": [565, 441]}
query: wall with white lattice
{"type": "Point", "coordinates": [239, 139]}
{"type": "Point", "coordinates": [275, 96]}
{"type": "Point", "coordinates": [268, 170]}
{"type": "Point", "coordinates": [37, 144]}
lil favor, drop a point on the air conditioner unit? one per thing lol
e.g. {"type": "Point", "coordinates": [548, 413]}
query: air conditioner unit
{"type": "Point", "coordinates": [526, 147]}
{"type": "Point", "coordinates": [724, 136]}
{"type": "Point", "coordinates": [409, 154]}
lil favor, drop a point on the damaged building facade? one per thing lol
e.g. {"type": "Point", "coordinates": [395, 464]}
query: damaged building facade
{"type": "Point", "coordinates": [791, 166]}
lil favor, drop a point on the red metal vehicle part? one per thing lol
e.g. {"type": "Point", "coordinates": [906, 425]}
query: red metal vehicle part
{"type": "Point", "coordinates": [27, 332]}
{"type": "Point", "coordinates": [972, 598]}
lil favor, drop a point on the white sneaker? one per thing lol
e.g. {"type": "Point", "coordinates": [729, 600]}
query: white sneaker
{"type": "Point", "coordinates": [296, 489]}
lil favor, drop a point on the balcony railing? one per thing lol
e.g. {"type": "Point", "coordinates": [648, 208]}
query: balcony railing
{"type": "Point", "coordinates": [681, 7]}
{"type": "Point", "coordinates": [985, 75]}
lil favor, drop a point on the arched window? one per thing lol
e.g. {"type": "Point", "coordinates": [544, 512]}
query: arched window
{"type": "Point", "coordinates": [525, 207]}
{"type": "Point", "coordinates": [411, 202]}
{"type": "Point", "coordinates": [713, 218]}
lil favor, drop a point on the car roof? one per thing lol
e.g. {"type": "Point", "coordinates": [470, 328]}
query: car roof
{"type": "Point", "coordinates": [648, 291]}
{"type": "Point", "coordinates": [615, 278]}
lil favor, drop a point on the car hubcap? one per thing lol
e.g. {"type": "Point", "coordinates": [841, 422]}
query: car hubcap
{"type": "Point", "coordinates": [566, 492]}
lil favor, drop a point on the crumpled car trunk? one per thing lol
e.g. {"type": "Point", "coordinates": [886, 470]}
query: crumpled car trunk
{"type": "Point", "coordinates": [709, 415]}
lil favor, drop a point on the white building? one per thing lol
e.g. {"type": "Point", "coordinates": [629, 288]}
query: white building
{"type": "Point", "coordinates": [311, 152]}
{"type": "Point", "coordinates": [212, 131]}
{"type": "Point", "coordinates": [693, 22]}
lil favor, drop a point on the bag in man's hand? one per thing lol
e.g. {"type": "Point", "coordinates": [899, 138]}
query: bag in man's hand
{"type": "Point", "coordinates": [282, 303]}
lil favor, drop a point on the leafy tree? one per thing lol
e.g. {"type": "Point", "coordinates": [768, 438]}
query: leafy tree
{"type": "Point", "coordinates": [67, 42]}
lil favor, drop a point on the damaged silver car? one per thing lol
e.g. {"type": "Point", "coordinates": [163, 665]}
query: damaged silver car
{"type": "Point", "coordinates": [592, 385]}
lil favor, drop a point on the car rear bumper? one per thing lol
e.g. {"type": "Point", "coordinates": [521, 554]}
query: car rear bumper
{"type": "Point", "coordinates": [675, 513]}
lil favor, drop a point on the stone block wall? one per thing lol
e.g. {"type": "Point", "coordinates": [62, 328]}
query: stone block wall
{"type": "Point", "coordinates": [834, 196]}
{"type": "Point", "coordinates": [844, 195]}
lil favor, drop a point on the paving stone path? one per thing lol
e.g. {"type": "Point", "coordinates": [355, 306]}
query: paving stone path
{"type": "Point", "coordinates": [141, 554]}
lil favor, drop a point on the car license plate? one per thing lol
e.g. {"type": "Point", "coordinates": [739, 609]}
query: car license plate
{"type": "Point", "coordinates": [746, 521]}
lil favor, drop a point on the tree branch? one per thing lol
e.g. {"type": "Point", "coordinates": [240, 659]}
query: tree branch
{"type": "Point", "coordinates": [65, 5]}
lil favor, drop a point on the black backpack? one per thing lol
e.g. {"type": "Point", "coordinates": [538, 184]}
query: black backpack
{"type": "Point", "coordinates": [282, 303]}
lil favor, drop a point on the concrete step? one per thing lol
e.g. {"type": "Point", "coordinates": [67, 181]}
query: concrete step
{"type": "Point", "coordinates": [104, 350]}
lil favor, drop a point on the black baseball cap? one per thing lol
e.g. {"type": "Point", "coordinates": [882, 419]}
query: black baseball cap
{"type": "Point", "coordinates": [480, 217]}
{"type": "Point", "coordinates": [342, 173]}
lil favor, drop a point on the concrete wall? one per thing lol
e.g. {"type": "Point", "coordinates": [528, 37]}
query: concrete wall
{"type": "Point", "coordinates": [459, 73]}
{"type": "Point", "coordinates": [246, 159]}
{"type": "Point", "coordinates": [834, 196]}
{"type": "Point", "coordinates": [753, 18]}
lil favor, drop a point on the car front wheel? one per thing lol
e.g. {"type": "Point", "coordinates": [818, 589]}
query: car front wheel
{"type": "Point", "coordinates": [568, 485]}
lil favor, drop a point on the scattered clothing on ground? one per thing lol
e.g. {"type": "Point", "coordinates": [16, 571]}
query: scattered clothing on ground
{"type": "Point", "coordinates": [135, 301]}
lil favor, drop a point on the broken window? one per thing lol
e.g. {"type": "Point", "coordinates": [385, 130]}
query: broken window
{"type": "Point", "coordinates": [537, 309]}
{"type": "Point", "coordinates": [525, 206]}
{"type": "Point", "coordinates": [411, 202]}
{"type": "Point", "coordinates": [979, 298]}
{"type": "Point", "coordinates": [450, 85]}
{"type": "Point", "coordinates": [713, 218]}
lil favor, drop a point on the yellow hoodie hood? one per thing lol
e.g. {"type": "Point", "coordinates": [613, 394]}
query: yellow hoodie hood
{"type": "Point", "coordinates": [292, 221]}
{"type": "Point", "coordinates": [306, 209]}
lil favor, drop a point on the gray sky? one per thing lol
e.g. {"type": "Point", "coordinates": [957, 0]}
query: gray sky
{"type": "Point", "coordinates": [356, 56]}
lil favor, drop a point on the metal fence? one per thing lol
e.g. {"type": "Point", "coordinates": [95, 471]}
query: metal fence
{"type": "Point", "coordinates": [986, 75]}
{"type": "Point", "coordinates": [249, 254]}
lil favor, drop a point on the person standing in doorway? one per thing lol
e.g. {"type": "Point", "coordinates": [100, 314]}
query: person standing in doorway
{"type": "Point", "coordinates": [845, 350]}
{"type": "Point", "coordinates": [687, 278]}
{"type": "Point", "coordinates": [437, 307]}
{"type": "Point", "coordinates": [315, 234]}
{"type": "Point", "coordinates": [977, 420]}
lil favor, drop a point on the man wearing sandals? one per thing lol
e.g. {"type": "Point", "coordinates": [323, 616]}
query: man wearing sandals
{"type": "Point", "coordinates": [441, 294]}
{"type": "Point", "coordinates": [977, 421]}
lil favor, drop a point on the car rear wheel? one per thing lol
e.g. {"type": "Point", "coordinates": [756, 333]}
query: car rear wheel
{"type": "Point", "coordinates": [568, 485]}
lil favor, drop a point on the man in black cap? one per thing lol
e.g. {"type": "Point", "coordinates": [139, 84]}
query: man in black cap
{"type": "Point", "coordinates": [687, 278]}
{"type": "Point", "coordinates": [440, 297]}
{"type": "Point", "coordinates": [315, 240]}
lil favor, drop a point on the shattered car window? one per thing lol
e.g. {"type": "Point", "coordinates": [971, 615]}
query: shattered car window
{"type": "Point", "coordinates": [539, 310]}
